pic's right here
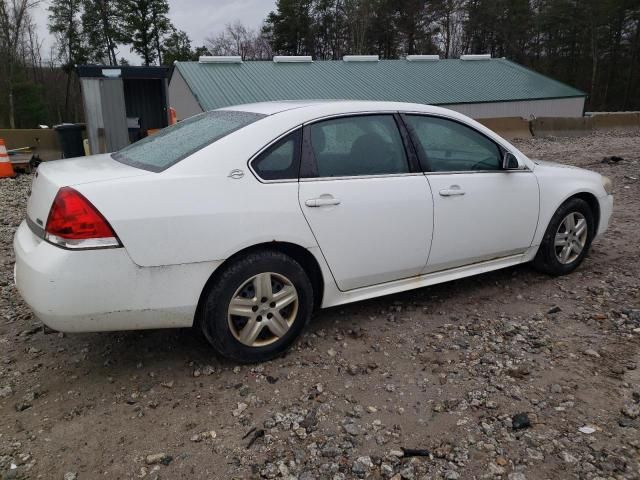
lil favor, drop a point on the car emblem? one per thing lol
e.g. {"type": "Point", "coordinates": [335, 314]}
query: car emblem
{"type": "Point", "coordinates": [236, 174]}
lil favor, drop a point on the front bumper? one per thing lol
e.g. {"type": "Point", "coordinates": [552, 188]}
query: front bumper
{"type": "Point", "coordinates": [104, 290]}
{"type": "Point", "coordinates": [606, 210]}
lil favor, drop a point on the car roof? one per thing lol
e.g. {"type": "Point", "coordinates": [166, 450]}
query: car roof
{"type": "Point", "coordinates": [272, 108]}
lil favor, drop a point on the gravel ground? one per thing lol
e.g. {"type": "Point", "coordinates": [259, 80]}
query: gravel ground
{"type": "Point", "coordinates": [511, 375]}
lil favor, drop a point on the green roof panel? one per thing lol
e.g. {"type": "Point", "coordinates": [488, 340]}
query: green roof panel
{"type": "Point", "coordinates": [441, 82]}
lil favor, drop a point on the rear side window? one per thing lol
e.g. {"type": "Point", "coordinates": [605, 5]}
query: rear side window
{"type": "Point", "coordinates": [358, 145]}
{"type": "Point", "coordinates": [172, 144]}
{"type": "Point", "coordinates": [281, 161]}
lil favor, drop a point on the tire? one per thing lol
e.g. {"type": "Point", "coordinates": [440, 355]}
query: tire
{"type": "Point", "coordinates": [550, 258]}
{"type": "Point", "coordinates": [234, 336]}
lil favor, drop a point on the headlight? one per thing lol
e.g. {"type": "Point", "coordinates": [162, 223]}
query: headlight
{"type": "Point", "coordinates": [607, 184]}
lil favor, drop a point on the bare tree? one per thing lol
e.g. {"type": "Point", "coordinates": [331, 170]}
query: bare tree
{"type": "Point", "coordinates": [237, 39]}
{"type": "Point", "coordinates": [14, 15]}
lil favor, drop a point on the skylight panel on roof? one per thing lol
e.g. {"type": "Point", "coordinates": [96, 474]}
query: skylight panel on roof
{"type": "Point", "coordinates": [423, 58]}
{"type": "Point", "coordinates": [361, 58]}
{"type": "Point", "coordinates": [292, 59]}
{"type": "Point", "coordinates": [220, 59]}
{"type": "Point", "coordinates": [476, 57]}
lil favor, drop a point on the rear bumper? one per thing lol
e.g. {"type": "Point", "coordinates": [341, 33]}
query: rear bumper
{"type": "Point", "coordinates": [104, 290]}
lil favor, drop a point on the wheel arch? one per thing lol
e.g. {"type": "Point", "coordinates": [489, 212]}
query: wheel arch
{"type": "Point", "coordinates": [593, 203]}
{"type": "Point", "coordinates": [300, 254]}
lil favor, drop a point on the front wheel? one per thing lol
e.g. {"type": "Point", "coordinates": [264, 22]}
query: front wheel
{"type": "Point", "coordinates": [567, 239]}
{"type": "Point", "coordinates": [257, 307]}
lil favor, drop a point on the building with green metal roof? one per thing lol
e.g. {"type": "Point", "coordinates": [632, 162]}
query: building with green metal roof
{"type": "Point", "coordinates": [476, 85]}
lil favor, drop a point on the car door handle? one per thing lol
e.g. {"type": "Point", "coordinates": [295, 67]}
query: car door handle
{"type": "Point", "coordinates": [322, 201]}
{"type": "Point", "coordinates": [452, 191]}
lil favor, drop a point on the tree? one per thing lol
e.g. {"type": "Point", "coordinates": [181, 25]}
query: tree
{"type": "Point", "coordinates": [64, 24]}
{"type": "Point", "coordinates": [177, 47]}
{"type": "Point", "coordinates": [290, 27]}
{"type": "Point", "coordinates": [14, 15]}
{"type": "Point", "coordinates": [146, 23]}
{"type": "Point", "coordinates": [104, 29]}
{"type": "Point", "coordinates": [236, 39]}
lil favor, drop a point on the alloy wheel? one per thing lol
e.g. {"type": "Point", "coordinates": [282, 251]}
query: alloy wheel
{"type": "Point", "coordinates": [571, 238]}
{"type": "Point", "coordinates": [263, 309]}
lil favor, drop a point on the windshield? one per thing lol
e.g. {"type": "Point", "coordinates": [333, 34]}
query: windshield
{"type": "Point", "coordinates": [172, 144]}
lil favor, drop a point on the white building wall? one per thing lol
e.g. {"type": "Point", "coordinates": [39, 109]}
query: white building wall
{"type": "Point", "coordinates": [181, 98]}
{"type": "Point", "coordinates": [559, 107]}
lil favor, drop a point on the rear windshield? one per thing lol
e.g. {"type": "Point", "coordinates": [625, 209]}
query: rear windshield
{"type": "Point", "coordinates": [172, 144]}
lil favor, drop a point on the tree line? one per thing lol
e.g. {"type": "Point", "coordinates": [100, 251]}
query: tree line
{"type": "Point", "coordinates": [36, 91]}
{"type": "Point", "coordinates": [593, 45]}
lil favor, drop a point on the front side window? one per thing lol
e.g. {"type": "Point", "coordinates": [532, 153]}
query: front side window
{"type": "Point", "coordinates": [280, 161]}
{"type": "Point", "coordinates": [173, 144]}
{"type": "Point", "coordinates": [449, 146]}
{"type": "Point", "coordinates": [362, 145]}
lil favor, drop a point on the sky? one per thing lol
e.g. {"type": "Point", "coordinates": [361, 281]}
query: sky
{"type": "Point", "coordinates": [199, 18]}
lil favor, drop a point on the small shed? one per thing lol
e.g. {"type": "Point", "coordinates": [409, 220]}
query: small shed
{"type": "Point", "coordinates": [476, 85]}
{"type": "Point", "coordinates": [122, 104]}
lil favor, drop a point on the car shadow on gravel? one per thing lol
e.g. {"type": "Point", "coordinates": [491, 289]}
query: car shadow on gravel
{"type": "Point", "coordinates": [167, 348]}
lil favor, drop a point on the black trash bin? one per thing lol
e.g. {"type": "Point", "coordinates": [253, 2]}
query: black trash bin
{"type": "Point", "coordinates": [70, 137]}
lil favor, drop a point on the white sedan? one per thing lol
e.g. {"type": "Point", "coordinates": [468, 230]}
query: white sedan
{"type": "Point", "coordinates": [241, 221]}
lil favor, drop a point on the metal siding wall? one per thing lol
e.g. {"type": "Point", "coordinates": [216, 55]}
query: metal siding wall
{"type": "Point", "coordinates": [93, 112]}
{"type": "Point", "coordinates": [114, 114]}
{"type": "Point", "coordinates": [181, 98]}
{"type": "Point", "coordinates": [560, 107]}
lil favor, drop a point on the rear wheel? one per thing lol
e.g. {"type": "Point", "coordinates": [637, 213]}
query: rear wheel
{"type": "Point", "coordinates": [567, 239]}
{"type": "Point", "coordinates": [257, 307]}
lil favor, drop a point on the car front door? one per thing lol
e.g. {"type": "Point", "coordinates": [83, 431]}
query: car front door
{"type": "Point", "coordinates": [481, 211]}
{"type": "Point", "coordinates": [368, 206]}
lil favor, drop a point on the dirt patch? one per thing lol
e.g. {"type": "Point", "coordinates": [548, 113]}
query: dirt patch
{"type": "Point", "coordinates": [443, 368]}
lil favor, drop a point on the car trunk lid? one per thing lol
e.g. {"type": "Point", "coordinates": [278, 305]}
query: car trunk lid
{"type": "Point", "coordinates": [52, 176]}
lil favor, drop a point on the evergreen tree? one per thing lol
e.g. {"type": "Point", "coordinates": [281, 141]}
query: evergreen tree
{"type": "Point", "coordinates": [104, 29]}
{"type": "Point", "coordinates": [177, 47]}
{"type": "Point", "coordinates": [146, 23]}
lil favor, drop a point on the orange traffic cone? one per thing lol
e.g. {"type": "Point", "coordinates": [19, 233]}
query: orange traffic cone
{"type": "Point", "coordinates": [6, 169]}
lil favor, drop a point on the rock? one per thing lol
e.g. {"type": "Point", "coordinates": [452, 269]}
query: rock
{"type": "Point", "coordinates": [6, 391]}
{"type": "Point", "coordinates": [386, 470]}
{"type": "Point", "coordinates": [156, 458]}
{"type": "Point", "coordinates": [520, 421]}
{"type": "Point", "coordinates": [352, 429]}
{"type": "Point", "coordinates": [241, 408]}
{"type": "Point", "coordinates": [587, 430]}
{"type": "Point", "coordinates": [22, 406]}
{"type": "Point", "coordinates": [496, 469]}
{"type": "Point", "coordinates": [625, 422]}
{"type": "Point", "coordinates": [451, 475]}
{"type": "Point", "coordinates": [591, 353]}
{"type": "Point", "coordinates": [310, 420]}
{"type": "Point", "coordinates": [199, 437]}
{"type": "Point", "coordinates": [555, 388]}
{"type": "Point", "coordinates": [553, 310]}
{"type": "Point", "coordinates": [631, 410]}
{"type": "Point", "coordinates": [516, 476]}
{"type": "Point", "coordinates": [362, 466]}
{"type": "Point", "coordinates": [407, 473]}
{"type": "Point", "coordinates": [71, 476]}
{"type": "Point", "coordinates": [568, 458]}
{"type": "Point", "coordinates": [612, 160]}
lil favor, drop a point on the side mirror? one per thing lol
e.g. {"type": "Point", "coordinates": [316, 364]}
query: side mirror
{"type": "Point", "coordinates": [510, 162]}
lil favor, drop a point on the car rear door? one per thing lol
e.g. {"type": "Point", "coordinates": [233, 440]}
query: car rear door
{"type": "Point", "coordinates": [367, 203]}
{"type": "Point", "coordinates": [481, 211]}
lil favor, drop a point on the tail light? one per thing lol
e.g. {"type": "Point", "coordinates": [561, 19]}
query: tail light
{"type": "Point", "coordinates": [75, 223]}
